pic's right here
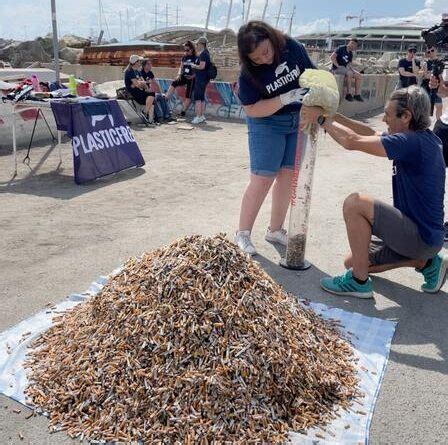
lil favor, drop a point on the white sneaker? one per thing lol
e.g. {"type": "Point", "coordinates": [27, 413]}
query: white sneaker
{"type": "Point", "coordinates": [278, 236]}
{"type": "Point", "coordinates": [203, 119]}
{"type": "Point", "coordinates": [196, 120]}
{"type": "Point", "coordinates": [242, 240]}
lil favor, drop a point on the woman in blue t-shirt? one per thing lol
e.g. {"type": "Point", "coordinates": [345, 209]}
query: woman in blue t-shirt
{"type": "Point", "coordinates": [271, 64]}
{"type": "Point", "coordinates": [201, 79]}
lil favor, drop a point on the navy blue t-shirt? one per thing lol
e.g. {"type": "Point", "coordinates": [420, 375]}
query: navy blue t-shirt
{"type": "Point", "coordinates": [147, 75]}
{"type": "Point", "coordinates": [202, 75]}
{"type": "Point", "coordinates": [407, 65]}
{"type": "Point", "coordinates": [418, 180]}
{"type": "Point", "coordinates": [186, 68]}
{"type": "Point", "coordinates": [343, 56]}
{"type": "Point", "coordinates": [274, 80]}
{"type": "Point", "coordinates": [128, 76]}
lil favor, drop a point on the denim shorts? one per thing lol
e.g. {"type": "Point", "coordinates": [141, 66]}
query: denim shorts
{"type": "Point", "coordinates": [272, 143]}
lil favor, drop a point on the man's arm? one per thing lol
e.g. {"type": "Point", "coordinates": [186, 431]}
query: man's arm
{"type": "Point", "coordinates": [415, 68]}
{"type": "Point", "coordinates": [351, 140]}
{"type": "Point", "coordinates": [358, 127]}
{"type": "Point", "coordinates": [440, 84]}
{"type": "Point", "coordinates": [404, 73]}
{"type": "Point", "coordinates": [334, 59]}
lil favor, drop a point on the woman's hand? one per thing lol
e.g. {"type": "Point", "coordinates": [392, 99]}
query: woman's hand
{"type": "Point", "coordinates": [309, 115]}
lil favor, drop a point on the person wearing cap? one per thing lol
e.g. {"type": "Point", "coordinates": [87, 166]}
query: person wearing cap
{"type": "Point", "coordinates": [201, 79]}
{"type": "Point", "coordinates": [268, 88]}
{"type": "Point", "coordinates": [409, 68]}
{"type": "Point", "coordinates": [137, 87]}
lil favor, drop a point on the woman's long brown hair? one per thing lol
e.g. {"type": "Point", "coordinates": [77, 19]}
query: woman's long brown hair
{"type": "Point", "coordinates": [250, 36]}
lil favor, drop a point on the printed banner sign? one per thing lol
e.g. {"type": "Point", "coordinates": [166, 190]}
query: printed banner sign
{"type": "Point", "coordinates": [101, 138]}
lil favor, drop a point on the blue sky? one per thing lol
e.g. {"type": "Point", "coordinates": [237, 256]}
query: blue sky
{"type": "Point", "coordinates": [27, 19]}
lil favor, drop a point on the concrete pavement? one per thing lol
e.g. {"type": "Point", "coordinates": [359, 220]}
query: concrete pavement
{"type": "Point", "coordinates": [57, 237]}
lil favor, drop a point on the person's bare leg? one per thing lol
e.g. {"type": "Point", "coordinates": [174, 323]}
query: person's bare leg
{"type": "Point", "coordinates": [186, 104]}
{"type": "Point", "coordinates": [169, 92]}
{"type": "Point", "coordinates": [281, 196]}
{"type": "Point", "coordinates": [358, 79]}
{"type": "Point", "coordinates": [348, 263]}
{"type": "Point", "coordinates": [358, 216]}
{"type": "Point", "coordinates": [253, 198]}
{"type": "Point", "coordinates": [439, 111]}
{"type": "Point", "coordinates": [197, 108]}
{"type": "Point", "coordinates": [149, 104]}
{"type": "Point", "coordinates": [347, 84]}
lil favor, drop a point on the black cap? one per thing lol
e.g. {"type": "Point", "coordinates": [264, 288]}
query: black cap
{"type": "Point", "coordinates": [412, 48]}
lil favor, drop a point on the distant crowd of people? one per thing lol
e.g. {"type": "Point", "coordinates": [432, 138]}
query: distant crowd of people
{"type": "Point", "coordinates": [411, 71]}
{"type": "Point", "coordinates": [194, 74]}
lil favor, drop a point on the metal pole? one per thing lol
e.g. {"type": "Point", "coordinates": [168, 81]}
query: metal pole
{"type": "Point", "coordinates": [166, 15]}
{"type": "Point", "coordinates": [248, 11]}
{"type": "Point", "coordinates": [227, 23]}
{"type": "Point", "coordinates": [208, 15]}
{"type": "Point", "coordinates": [155, 16]}
{"type": "Point", "coordinates": [55, 41]}
{"type": "Point", "coordinates": [279, 12]}
{"type": "Point", "coordinates": [177, 15]}
{"type": "Point", "coordinates": [121, 28]}
{"type": "Point", "coordinates": [290, 21]}
{"type": "Point", "coordinates": [242, 13]}
{"type": "Point", "coordinates": [127, 23]}
{"type": "Point", "coordinates": [100, 24]}
{"type": "Point", "coordinates": [264, 10]}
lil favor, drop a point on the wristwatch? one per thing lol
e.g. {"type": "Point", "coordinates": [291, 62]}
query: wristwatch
{"type": "Point", "coordinates": [321, 119]}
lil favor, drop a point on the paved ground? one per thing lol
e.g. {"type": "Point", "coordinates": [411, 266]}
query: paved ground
{"type": "Point", "coordinates": [57, 237]}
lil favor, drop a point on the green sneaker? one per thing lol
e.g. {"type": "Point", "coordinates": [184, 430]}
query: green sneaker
{"type": "Point", "coordinates": [435, 274]}
{"type": "Point", "coordinates": [346, 285]}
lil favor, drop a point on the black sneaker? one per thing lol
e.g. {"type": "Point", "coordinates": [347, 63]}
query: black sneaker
{"type": "Point", "coordinates": [182, 113]}
{"type": "Point", "coordinates": [445, 227]}
{"type": "Point", "coordinates": [349, 97]}
{"type": "Point", "coordinates": [358, 98]}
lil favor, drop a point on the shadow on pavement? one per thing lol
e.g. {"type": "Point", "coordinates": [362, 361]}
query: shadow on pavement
{"type": "Point", "coordinates": [58, 185]}
{"type": "Point", "coordinates": [422, 318]}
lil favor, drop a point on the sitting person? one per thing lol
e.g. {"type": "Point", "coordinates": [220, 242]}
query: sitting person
{"type": "Point", "coordinates": [409, 233]}
{"type": "Point", "coordinates": [137, 87]}
{"type": "Point", "coordinates": [162, 112]}
{"type": "Point", "coordinates": [44, 87]}
{"type": "Point", "coordinates": [342, 59]}
{"type": "Point", "coordinates": [185, 76]}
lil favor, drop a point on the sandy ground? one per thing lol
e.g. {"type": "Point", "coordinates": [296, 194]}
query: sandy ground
{"type": "Point", "coordinates": [57, 237]}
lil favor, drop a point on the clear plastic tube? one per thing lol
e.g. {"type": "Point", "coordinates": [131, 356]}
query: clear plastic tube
{"type": "Point", "coordinates": [301, 200]}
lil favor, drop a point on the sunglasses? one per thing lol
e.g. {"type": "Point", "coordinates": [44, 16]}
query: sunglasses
{"type": "Point", "coordinates": [429, 51]}
{"type": "Point", "coordinates": [187, 49]}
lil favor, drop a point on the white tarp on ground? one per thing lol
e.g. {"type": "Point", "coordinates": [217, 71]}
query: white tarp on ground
{"type": "Point", "coordinates": [371, 338]}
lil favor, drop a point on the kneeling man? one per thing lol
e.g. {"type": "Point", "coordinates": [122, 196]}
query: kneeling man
{"type": "Point", "coordinates": [410, 233]}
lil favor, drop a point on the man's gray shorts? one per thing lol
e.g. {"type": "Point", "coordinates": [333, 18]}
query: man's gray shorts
{"type": "Point", "coordinates": [396, 238]}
